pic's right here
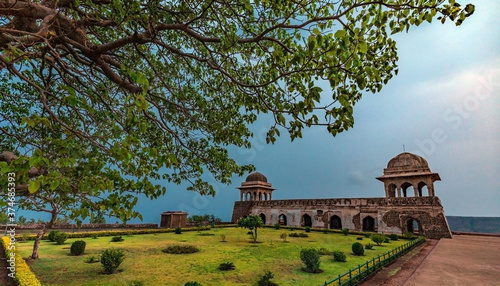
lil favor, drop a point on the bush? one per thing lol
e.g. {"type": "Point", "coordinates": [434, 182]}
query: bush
{"type": "Point", "coordinates": [52, 235]}
{"type": "Point", "coordinates": [339, 256]}
{"type": "Point", "coordinates": [393, 236]}
{"type": "Point", "coordinates": [345, 231]}
{"type": "Point", "coordinates": [378, 238]}
{"type": "Point", "coordinates": [223, 237]}
{"type": "Point", "coordinates": [277, 226]}
{"type": "Point", "coordinates": [178, 230]}
{"type": "Point", "coordinates": [308, 229]}
{"type": "Point", "coordinates": [265, 280]}
{"type": "Point", "coordinates": [298, 234]}
{"type": "Point", "coordinates": [408, 235]}
{"type": "Point", "coordinates": [94, 236]}
{"type": "Point", "coordinates": [284, 236]}
{"type": "Point", "coordinates": [117, 239]}
{"type": "Point", "coordinates": [368, 246]}
{"type": "Point", "coordinates": [60, 237]}
{"type": "Point", "coordinates": [111, 260]}
{"type": "Point", "coordinates": [78, 247]}
{"type": "Point", "coordinates": [324, 251]}
{"type": "Point", "coordinates": [92, 259]}
{"type": "Point", "coordinates": [310, 257]}
{"type": "Point", "coordinates": [181, 249]}
{"type": "Point", "coordinates": [367, 235]}
{"type": "Point", "coordinates": [357, 249]}
{"type": "Point", "coordinates": [387, 240]}
{"type": "Point", "coordinates": [137, 283]}
{"type": "Point", "coordinates": [192, 283]}
{"type": "Point", "coordinates": [326, 231]}
{"type": "Point", "coordinates": [359, 238]}
{"type": "Point", "coordinates": [226, 266]}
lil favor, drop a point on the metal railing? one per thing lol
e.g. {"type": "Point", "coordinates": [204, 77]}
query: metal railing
{"type": "Point", "coordinates": [358, 274]}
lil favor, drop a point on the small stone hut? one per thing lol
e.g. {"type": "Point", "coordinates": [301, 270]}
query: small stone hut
{"type": "Point", "coordinates": [173, 219]}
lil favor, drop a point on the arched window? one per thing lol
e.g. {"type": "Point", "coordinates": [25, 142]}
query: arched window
{"type": "Point", "coordinates": [248, 197]}
{"type": "Point", "coordinates": [413, 226]}
{"type": "Point", "coordinates": [422, 189]}
{"type": "Point", "coordinates": [306, 220]}
{"type": "Point", "coordinates": [260, 196]}
{"type": "Point", "coordinates": [282, 219]}
{"type": "Point", "coordinates": [263, 218]}
{"type": "Point", "coordinates": [335, 222]}
{"type": "Point", "coordinates": [407, 189]}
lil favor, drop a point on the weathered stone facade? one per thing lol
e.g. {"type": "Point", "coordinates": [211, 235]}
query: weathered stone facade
{"type": "Point", "coordinates": [391, 214]}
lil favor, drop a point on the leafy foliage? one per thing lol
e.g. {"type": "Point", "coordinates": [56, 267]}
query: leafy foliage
{"type": "Point", "coordinates": [298, 234]}
{"type": "Point", "coordinates": [345, 231]}
{"type": "Point", "coordinates": [226, 266]}
{"type": "Point", "coordinates": [252, 222]}
{"type": "Point", "coordinates": [52, 235]}
{"type": "Point", "coordinates": [339, 256]}
{"type": "Point", "coordinates": [117, 239]}
{"type": "Point", "coordinates": [104, 98]}
{"type": "Point", "coordinates": [192, 283]}
{"type": "Point", "coordinates": [378, 238]}
{"type": "Point", "coordinates": [265, 280]}
{"type": "Point", "coordinates": [283, 236]}
{"type": "Point", "coordinates": [393, 236]}
{"type": "Point", "coordinates": [277, 226]}
{"type": "Point", "coordinates": [178, 230]}
{"type": "Point", "coordinates": [203, 218]}
{"type": "Point", "coordinates": [311, 259]}
{"type": "Point", "coordinates": [368, 246]}
{"type": "Point", "coordinates": [111, 260]}
{"type": "Point", "coordinates": [357, 249]}
{"type": "Point", "coordinates": [324, 251]}
{"type": "Point", "coordinates": [308, 229]}
{"type": "Point", "coordinates": [181, 249]}
{"type": "Point", "coordinates": [60, 237]}
{"type": "Point", "coordinates": [78, 247]}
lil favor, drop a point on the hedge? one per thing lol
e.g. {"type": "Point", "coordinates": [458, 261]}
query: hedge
{"type": "Point", "coordinates": [120, 232]}
{"type": "Point", "coordinates": [24, 276]}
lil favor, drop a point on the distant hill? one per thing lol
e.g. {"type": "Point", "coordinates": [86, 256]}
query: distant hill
{"type": "Point", "coordinates": [474, 224]}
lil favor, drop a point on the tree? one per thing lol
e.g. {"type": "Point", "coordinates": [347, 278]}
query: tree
{"type": "Point", "coordinates": [132, 92]}
{"type": "Point", "coordinates": [252, 222]}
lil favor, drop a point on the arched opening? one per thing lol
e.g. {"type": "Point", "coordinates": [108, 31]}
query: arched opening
{"type": "Point", "coordinates": [265, 197]}
{"type": "Point", "coordinates": [248, 197]}
{"type": "Point", "coordinates": [368, 224]}
{"type": "Point", "coordinates": [254, 196]}
{"type": "Point", "coordinates": [260, 196]}
{"type": "Point", "coordinates": [263, 218]}
{"type": "Point", "coordinates": [306, 220]}
{"type": "Point", "coordinates": [335, 222]}
{"type": "Point", "coordinates": [392, 191]}
{"type": "Point", "coordinates": [422, 189]}
{"type": "Point", "coordinates": [413, 226]}
{"type": "Point", "coordinates": [407, 189]}
{"type": "Point", "coordinates": [282, 219]}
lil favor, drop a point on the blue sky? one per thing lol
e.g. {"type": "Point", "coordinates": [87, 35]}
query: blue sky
{"type": "Point", "coordinates": [443, 105]}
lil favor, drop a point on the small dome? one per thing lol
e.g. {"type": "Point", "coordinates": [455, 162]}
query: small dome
{"type": "Point", "coordinates": [408, 162]}
{"type": "Point", "coordinates": [256, 176]}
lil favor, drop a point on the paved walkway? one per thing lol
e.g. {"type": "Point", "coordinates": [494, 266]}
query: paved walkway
{"type": "Point", "coordinates": [463, 260]}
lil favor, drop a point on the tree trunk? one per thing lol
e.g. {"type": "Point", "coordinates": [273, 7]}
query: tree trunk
{"type": "Point", "coordinates": [36, 246]}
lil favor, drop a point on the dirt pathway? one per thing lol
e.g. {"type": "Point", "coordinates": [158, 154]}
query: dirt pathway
{"type": "Point", "coordinates": [4, 279]}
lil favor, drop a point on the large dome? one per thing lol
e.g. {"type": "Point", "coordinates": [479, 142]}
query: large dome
{"type": "Point", "coordinates": [256, 177]}
{"type": "Point", "coordinates": [407, 162]}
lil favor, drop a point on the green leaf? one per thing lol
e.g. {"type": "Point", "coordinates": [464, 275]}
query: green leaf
{"type": "Point", "coordinates": [340, 34]}
{"type": "Point", "coordinates": [363, 47]}
{"type": "Point", "coordinates": [33, 186]}
{"type": "Point", "coordinates": [54, 184]}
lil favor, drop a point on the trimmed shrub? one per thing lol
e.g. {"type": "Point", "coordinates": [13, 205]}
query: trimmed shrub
{"type": "Point", "coordinates": [265, 280]}
{"type": "Point", "coordinates": [324, 251]}
{"type": "Point", "coordinates": [326, 231]}
{"type": "Point", "coordinates": [367, 235]}
{"type": "Point", "coordinates": [308, 229]}
{"type": "Point", "coordinates": [60, 237]}
{"type": "Point", "coordinates": [226, 266]}
{"type": "Point", "coordinates": [359, 238]}
{"type": "Point", "coordinates": [358, 249]}
{"type": "Point", "coordinates": [393, 236]}
{"type": "Point", "coordinates": [284, 236]}
{"type": "Point", "coordinates": [52, 235]}
{"type": "Point", "coordinates": [111, 260]}
{"type": "Point", "coordinates": [192, 283]}
{"type": "Point", "coordinates": [387, 240]}
{"type": "Point", "coordinates": [408, 235]}
{"type": "Point", "coordinates": [92, 259]}
{"type": "Point", "coordinates": [223, 238]}
{"type": "Point", "coordinates": [378, 238]}
{"type": "Point", "coordinates": [94, 236]}
{"type": "Point", "coordinates": [368, 246]}
{"type": "Point", "coordinates": [117, 239]}
{"type": "Point", "coordinates": [181, 249]}
{"type": "Point", "coordinates": [24, 276]}
{"type": "Point", "coordinates": [178, 230]}
{"type": "Point", "coordinates": [298, 234]}
{"type": "Point", "coordinates": [310, 257]}
{"type": "Point", "coordinates": [345, 231]}
{"type": "Point", "coordinates": [339, 256]}
{"type": "Point", "coordinates": [78, 247]}
{"type": "Point", "coordinates": [277, 226]}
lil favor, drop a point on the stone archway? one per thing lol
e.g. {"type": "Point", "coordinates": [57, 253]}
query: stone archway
{"type": "Point", "coordinates": [412, 225]}
{"type": "Point", "coordinates": [368, 224]}
{"type": "Point", "coordinates": [282, 219]}
{"type": "Point", "coordinates": [263, 218]}
{"type": "Point", "coordinates": [335, 222]}
{"type": "Point", "coordinates": [307, 220]}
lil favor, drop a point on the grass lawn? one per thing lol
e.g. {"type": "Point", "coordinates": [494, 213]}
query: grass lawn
{"type": "Point", "coordinates": [146, 263]}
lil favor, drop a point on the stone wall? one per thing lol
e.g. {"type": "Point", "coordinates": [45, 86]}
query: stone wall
{"type": "Point", "coordinates": [87, 226]}
{"type": "Point", "coordinates": [390, 215]}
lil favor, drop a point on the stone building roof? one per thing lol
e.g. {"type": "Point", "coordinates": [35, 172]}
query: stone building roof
{"type": "Point", "coordinates": [256, 180]}
{"type": "Point", "coordinates": [407, 164]}
{"type": "Point", "coordinates": [256, 176]}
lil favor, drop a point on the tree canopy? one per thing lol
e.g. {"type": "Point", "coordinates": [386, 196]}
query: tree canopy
{"type": "Point", "coordinates": [127, 93]}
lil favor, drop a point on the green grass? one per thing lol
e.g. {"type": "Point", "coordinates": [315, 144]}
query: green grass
{"type": "Point", "coordinates": [144, 260]}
